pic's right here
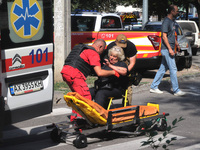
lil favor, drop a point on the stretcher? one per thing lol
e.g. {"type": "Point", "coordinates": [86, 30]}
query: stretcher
{"type": "Point", "coordinates": [138, 118]}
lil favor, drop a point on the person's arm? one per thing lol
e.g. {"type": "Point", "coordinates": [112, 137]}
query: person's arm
{"type": "Point", "coordinates": [132, 63]}
{"type": "Point", "coordinates": [103, 73]}
{"type": "Point", "coordinates": [176, 42]}
{"type": "Point", "coordinates": [121, 70]}
{"type": "Point", "coordinates": [165, 39]}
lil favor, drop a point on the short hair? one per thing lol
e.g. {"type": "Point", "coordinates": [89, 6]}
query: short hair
{"type": "Point", "coordinates": [170, 8]}
{"type": "Point", "coordinates": [117, 50]}
{"type": "Point", "coordinates": [98, 41]}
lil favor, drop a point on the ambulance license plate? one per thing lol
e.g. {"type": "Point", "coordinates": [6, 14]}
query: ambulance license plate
{"type": "Point", "coordinates": [26, 87]}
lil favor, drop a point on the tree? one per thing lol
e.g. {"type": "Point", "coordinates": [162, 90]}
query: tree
{"type": "Point", "coordinates": [100, 5]}
{"type": "Point", "coordinates": [156, 7]}
{"type": "Point", "coordinates": [185, 4]}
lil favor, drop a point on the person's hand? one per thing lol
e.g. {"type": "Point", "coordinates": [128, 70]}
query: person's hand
{"type": "Point", "coordinates": [179, 49]}
{"type": "Point", "coordinates": [106, 62]}
{"type": "Point", "coordinates": [171, 52]}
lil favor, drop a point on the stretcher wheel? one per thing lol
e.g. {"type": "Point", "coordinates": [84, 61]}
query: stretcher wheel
{"type": "Point", "coordinates": [80, 141]}
{"type": "Point", "coordinates": [162, 124]}
{"type": "Point", "coordinates": [55, 136]}
{"type": "Point", "coordinates": [139, 129]}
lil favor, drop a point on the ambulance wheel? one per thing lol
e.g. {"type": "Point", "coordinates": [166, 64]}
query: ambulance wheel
{"type": "Point", "coordinates": [162, 125]}
{"type": "Point", "coordinates": [55, 136]}
{"type": "Point", "coordinates": [80, 141]}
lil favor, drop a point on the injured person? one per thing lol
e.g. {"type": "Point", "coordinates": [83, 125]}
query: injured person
{"type": "Point", "coordinates": [111, 86]}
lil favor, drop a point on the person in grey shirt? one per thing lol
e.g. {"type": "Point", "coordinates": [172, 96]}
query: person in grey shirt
{"type": "Point", "coordinates": [169, 43]}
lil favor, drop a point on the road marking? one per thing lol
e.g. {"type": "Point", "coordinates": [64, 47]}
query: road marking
{"type": "Point", "coordinates": [192, 147]}
{"type": "Point", "coordinates": [136, 144]}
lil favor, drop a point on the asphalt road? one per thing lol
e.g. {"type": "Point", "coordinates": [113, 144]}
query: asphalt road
{"type": "Point", "coordinates": [32, 134]}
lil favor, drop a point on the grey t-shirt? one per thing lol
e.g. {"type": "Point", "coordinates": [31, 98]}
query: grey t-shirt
{"type": "Point", "coordinates": [168, 26]}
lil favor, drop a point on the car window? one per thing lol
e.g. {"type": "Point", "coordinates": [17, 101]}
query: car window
{"type": "Point", "coordinates": [110, 22]}
{"type": "Point", "coordinates": [187, 26]}
{"type": "Point", "coordinates": [82, 23]}
{"type": "Point", "coordinates": [130, 21]}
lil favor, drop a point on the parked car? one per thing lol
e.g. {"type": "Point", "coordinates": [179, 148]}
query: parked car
{"type": "Point", "coordinates": [191, 26]}
{"type": "Point", "coordinates": [185, 56]}
{"type": "Point", "coordinates": [100, 25]}
{"type": "Point", "coordinates": [182, 16]}
{"type": "Point", "coordinates": [196, 19]}
{"type": "Point", "coordinates": [137, 27]}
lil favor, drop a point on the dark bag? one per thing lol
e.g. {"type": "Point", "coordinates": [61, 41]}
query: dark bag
{"type": "Point", "coordinates": [102, 84]}
{"type": "Point", "coordinates": [135, 78]}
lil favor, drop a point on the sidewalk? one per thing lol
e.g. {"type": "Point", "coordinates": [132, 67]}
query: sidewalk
{"type": "Point", "coordinates": [149, 76]}
{"type": "Point", "coordinates": [147, 80]}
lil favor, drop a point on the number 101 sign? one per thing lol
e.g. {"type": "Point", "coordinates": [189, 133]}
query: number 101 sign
{"type": "Point", "coordinates": [39, 55]}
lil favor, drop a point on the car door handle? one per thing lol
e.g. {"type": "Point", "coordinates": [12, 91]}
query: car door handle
{"type": "Point", "coordinates": [90, 38]}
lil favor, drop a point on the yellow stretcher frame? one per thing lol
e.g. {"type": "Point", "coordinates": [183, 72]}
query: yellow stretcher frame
{"type": "Point", "coordinates": [98, 115]}
{"type": "Point", "coordinates": [97, 119]}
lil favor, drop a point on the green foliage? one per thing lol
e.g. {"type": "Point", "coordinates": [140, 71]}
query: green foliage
{"type": "Point", "coordinates": [100, 5]}
{"type": "Point", "coordinates": [156, 7]}
{"type": "Point", "coordinates": [156, 143]}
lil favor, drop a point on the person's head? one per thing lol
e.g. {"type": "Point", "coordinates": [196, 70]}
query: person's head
{"type": "Point", "coordinates": [121, 41]}
{"type": "Point", "coordinates": [99, 45]}
{"type": "Point", "coordinates": [116, 54]}
{"type": "Point", "coordinates": [173, 10]}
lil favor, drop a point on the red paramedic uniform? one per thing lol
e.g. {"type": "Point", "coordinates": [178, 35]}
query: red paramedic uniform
{"type": "Point", "coordinates": [76, 79]}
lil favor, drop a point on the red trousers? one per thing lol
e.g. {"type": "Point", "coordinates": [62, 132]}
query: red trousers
{"type": "Point", "coordinates": [77, 84]}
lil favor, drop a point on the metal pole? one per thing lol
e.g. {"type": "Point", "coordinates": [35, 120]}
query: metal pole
{"type": "Point", "coordinates": [62, 35]}
{"type": "Point", "coordinates": [67, 28]}
{"type": "Point", "coordinates": [145, 12]}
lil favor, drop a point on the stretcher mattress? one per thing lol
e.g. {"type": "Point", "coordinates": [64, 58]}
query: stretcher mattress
{"type": "Point", "coordinates": [98, 115]}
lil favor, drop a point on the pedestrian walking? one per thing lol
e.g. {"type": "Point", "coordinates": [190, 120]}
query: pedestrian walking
{"type": "Point", "coordinates": [169, 44]}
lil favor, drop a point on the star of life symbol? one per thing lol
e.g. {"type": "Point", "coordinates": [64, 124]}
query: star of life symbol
{"type": "Point", "coordinates": [16, 62]}
{"type": "Point", "coordinates": [26, 17]}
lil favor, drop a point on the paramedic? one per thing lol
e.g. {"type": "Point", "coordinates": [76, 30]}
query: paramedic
{"type": "Point", "coordinates": [78, 65]}
{"type": "Point", "coordinates": [168, 53]}
{"type": "Point", "coordinates": [111, 86]}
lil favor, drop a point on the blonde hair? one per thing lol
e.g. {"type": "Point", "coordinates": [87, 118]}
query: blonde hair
{"type": "Point", "coordinates": [118, 51]}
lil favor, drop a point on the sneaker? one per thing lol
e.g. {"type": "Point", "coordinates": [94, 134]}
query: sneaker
{"type": "Point", "coordinates": [156, 91]}
{"type": "Point", "coordinates": [179, 93]}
